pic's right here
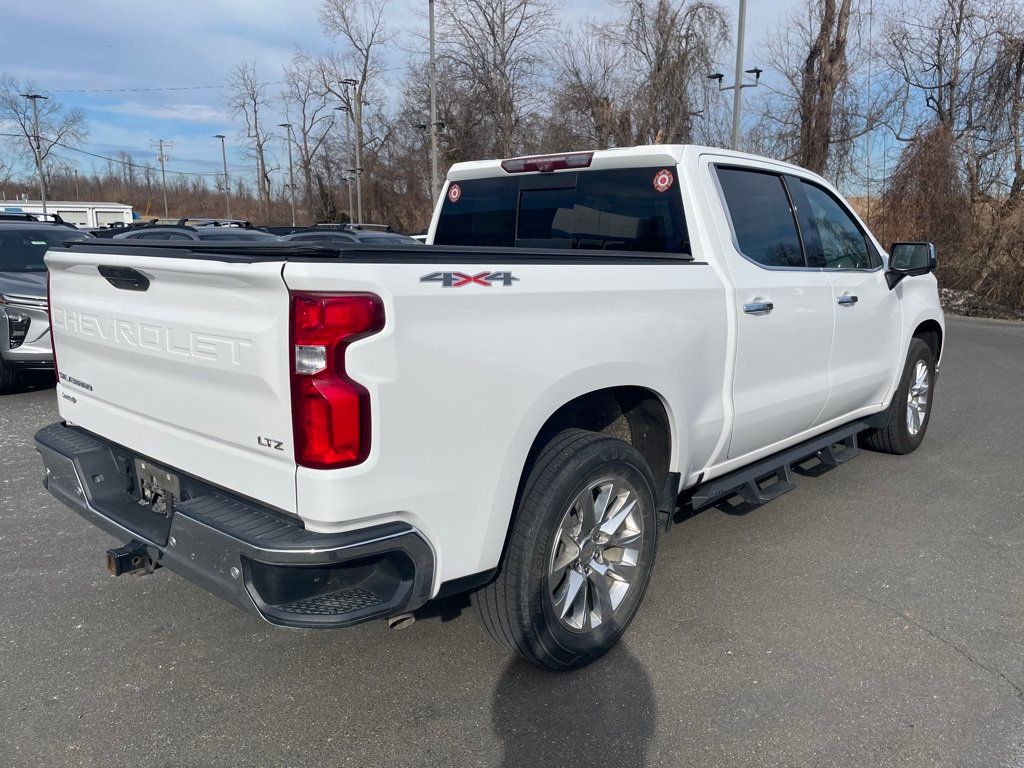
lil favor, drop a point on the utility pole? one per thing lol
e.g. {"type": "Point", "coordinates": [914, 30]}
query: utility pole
{"type": "Point", "coordinates": [37, 149]}
{"type": "Point", "coordinates": [357, 115]}
{"type": "Point", "coordinates": [162, 158]}
{"type": "Point", "coordinates": [75, 170]}
{"type": "Point", "coordinates": [291, 171]}
{"type": "Point", "coordinates": [227, 179]}
{"type": "Point", "coordinates": [348, 171]}
{"type": "Point", "coordinates": [433, 111]}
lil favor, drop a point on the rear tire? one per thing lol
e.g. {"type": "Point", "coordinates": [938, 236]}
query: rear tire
{"type": "Point", "coordinates": [580, 553]}
{"type": "Point", "coordinates": [911, 407]}
{"type": "Point", "coordinates": [8, 379]}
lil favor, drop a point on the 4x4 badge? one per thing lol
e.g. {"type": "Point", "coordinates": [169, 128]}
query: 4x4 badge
{"type": "Point", "coordinates": [459, 279]}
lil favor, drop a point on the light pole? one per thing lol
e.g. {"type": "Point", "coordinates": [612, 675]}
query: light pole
{"type": "Point", "coordinates": [291, 169]}
{"type": "Point", "coordinates": [348, 171]}
{"type": "Point", "coordinates": [37, 146]}
{"type": "Point", "coordinates": [227, 179]}
{"type": "Point", "coordinates": [433, 111]}
{"type": "Point", "coordinates": [737, 97]}
{"type": "Point", "coordinates": [738, 84]}
{"type": "Point", "coordinates": [357, 116]}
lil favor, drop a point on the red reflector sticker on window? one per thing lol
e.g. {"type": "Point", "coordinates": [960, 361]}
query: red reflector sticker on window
{"type": "Point", "coordinates": [663, 180]}
{"type": "Point", "coordinates": [454, 193]}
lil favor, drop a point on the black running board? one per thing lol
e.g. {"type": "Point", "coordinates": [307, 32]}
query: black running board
{"type": "Point", "coordinates": [769, 478]}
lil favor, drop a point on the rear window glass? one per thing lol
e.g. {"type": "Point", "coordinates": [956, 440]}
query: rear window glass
{"type": "Point", "coordinates": [620, 209]}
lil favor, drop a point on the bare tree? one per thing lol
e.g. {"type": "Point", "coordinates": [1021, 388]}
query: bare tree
{"type": "Point", "coordinates": [496, 50]}
{"type": "Point", "coordinates": [310, 111]}
{"type": "Point", "coordinates": [823, 99]}
{"type": "Point", "coordinates": [248, 97]}
{"type": "Point", "coordinates": [58, 126]}
{"type": "Point", "coordinates": [960, 65]}
{"type": "Point", "coordinates": [642, 78]}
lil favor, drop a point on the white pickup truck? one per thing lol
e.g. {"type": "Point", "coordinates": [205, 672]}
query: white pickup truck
{"type": "Point", "coordinates": [588, 342]}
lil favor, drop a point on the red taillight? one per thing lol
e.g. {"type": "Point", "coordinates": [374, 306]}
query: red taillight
{"type": "Point", "coordinates": [330, 412]}
{"type": "Point", "coordinates": [548, 163]}
{"type": "Point", "coordinates": [49, 315]}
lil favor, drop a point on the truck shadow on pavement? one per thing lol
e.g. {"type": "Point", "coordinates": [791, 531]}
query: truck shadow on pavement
{"type": "Point", "coordinates": [604, 714]}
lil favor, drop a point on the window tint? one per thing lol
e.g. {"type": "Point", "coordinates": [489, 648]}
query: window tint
{"type": "Point", "coordinates": [545, 216]}
{"type": "Point", "coordinates": [152, 236]}
{"type": "Point", "coordinates": [616, 209]}
{"type": "Point", "coordinates": [485, 214]}
{"type": "Point", "coordinates": [840, 243]}
{"type": "Point", "coordinates": [23, 250]}
{"type": "Point", "coordinates": [762, 217]}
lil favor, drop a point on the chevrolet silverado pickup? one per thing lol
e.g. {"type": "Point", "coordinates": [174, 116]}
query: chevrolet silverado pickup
{"type": "Point", "coordinates": [327, 433]}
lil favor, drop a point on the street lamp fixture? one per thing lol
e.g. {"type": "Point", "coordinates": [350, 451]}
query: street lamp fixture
{"type": "Point", "coordinates": [738, 84]}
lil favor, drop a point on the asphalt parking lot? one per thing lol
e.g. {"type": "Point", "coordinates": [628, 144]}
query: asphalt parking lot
{"type": "Point", "coordinates": [873, 616]}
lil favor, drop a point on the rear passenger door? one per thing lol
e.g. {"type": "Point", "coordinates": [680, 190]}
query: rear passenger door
{"type": "Point", "coordinates": [784, 312]}
{"type": "Point", "coordinates": [866, 341]}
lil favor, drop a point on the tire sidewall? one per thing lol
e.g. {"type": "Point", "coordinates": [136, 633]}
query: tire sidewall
{"type": "Point", "coordinates": [609, 458]}
{"type": "Point", "coordinates": [918, 351]}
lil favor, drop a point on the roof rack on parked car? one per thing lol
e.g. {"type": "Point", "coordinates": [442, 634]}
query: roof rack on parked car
{"type": "Point", "coordinates": [213, 222]}
{"type": "Point", "coordinates": [43, 218]}
{"type": "Point", "coordinates": [374, 227]}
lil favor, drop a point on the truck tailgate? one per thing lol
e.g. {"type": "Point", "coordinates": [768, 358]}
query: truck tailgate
{"type": "Point", "coordinates": [188, 365]}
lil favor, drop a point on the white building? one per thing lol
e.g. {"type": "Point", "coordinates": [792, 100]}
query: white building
{"type": "Point", "coordinates": [80, 214]}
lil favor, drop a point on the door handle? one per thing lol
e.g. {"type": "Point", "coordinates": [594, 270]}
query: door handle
{"type": "Point", "coordinates": [758, 307]}
{"type": "Point", "coordinates": [846, 300]}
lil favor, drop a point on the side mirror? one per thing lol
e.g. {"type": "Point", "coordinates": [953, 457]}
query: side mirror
{"type": "Point", "coordinates": [909, 260]}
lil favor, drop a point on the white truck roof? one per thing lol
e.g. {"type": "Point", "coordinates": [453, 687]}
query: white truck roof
{"type": "Point", "coordinates": [619, 157]}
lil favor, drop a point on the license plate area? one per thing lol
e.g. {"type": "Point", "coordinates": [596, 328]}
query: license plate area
{"type": "Point", "coordinates": [159, 488]}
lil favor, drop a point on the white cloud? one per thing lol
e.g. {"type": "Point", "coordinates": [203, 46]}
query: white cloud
{"type": "Point", "coordinates": [186, 113]}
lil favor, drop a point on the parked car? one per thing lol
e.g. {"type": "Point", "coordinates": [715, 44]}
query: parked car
{"type": "Point", "coordinates": [592, 341]}
{"type": "Point", "coordinates": [213, 222]}
{"type": "Point", "coordinates": [339, 237]}
{"type": "Point", "coordinates": [179, 233]}
{"type": "Point", "coordinates": [24, 321]}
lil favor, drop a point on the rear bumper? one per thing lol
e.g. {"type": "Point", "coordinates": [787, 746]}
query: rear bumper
{"type": "Point", "coordinates": [258, 559]}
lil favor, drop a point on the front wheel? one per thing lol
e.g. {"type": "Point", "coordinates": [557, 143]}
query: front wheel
{"type": "Point", "coordinates": [580, 553]}
{"type": "Point", "coordinates": [911, 407]}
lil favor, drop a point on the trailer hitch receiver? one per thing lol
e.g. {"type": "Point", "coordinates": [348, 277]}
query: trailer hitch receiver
{"type": "Point", "coordinates": [133, 557]}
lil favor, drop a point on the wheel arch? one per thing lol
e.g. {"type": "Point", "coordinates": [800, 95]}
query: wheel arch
{"type": "Point", "coordinates": [930, 332]}
{"type": "Point", "coordinates": [637, 414]}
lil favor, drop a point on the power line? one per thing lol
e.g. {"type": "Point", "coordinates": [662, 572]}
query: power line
{"type": "Point", "coordinates": [155, 88]}
{"type": "Point", "coordinates": [129, 163]}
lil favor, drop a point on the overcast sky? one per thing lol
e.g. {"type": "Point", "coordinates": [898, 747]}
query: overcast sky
{"type": "Point", "coordinates": [70, 48]}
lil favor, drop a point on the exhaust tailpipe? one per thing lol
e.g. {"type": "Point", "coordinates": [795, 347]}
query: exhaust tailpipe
{"type": "Point", "coordinates": [401, 621]}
